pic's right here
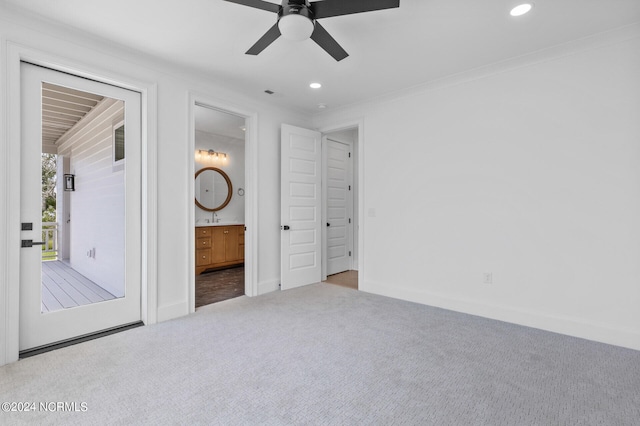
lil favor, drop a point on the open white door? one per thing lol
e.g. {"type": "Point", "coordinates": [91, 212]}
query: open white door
{"type": "Point", "coordinates": [301, 240]}
{"type": "Point", "coordinates": [39, 326]}
{"type": "Point", "coordinates": [339, 200]}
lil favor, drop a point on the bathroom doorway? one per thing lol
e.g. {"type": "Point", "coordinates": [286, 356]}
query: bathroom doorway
{"type": "Point", "coordinates": [219, 189]}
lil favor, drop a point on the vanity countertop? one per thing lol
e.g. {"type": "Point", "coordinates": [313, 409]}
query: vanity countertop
{"type": "Point", "coordinates": [202, 224]}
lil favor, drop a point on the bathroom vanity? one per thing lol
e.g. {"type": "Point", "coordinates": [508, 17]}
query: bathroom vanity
{"type": "Point", "coordinates": [219, 245]}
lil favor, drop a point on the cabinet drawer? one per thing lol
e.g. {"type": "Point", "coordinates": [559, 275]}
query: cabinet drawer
{"type": "Point", "coordinates": [204, 242]}
{"type": "Point", "coordinates": [203, 232]}
{"type": "Point", "coordinates": [203, 257]}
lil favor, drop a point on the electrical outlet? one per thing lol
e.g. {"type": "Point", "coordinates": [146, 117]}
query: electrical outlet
{"type": "Point", "coordinates": [487, 277]}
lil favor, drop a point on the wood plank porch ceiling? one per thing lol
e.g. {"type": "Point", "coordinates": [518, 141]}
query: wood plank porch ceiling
{"type": "Point", "coordinates": [62, 108]}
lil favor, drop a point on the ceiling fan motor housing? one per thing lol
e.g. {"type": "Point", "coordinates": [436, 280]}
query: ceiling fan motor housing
{"type": "Point", "coordinates": [295, 20]}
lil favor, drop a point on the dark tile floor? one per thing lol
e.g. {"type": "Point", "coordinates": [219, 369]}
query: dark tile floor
{"type": "Point", "coordinates": [216, 286]}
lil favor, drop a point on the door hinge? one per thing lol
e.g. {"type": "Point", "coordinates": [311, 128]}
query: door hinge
{"type": "Point", "coordinates": [349, 220]}
{"type": "Point", "coordinates": [349, 155]}
{"type": "Point", "coordinates": [349, 187]}
{"type": "Point", "coordinates": [349, 254]}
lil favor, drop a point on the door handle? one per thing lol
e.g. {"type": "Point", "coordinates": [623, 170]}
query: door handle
{"type": "Point", "coordinates": [286, 227]}
{"type": "Point", "coordinates": [328, 224]}
{"type": "Point", "coordinates": [31, 243]}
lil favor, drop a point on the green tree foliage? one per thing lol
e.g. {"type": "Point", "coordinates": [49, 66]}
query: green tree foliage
{"type": "Point", "coordinates": [49, 169]}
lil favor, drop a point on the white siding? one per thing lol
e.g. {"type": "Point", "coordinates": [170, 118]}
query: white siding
{"type": "Point", "coordinates": [97, 205]}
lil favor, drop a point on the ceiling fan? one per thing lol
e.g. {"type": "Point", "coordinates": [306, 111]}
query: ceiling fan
{"type": "Point", "coordinates": [297, 20]}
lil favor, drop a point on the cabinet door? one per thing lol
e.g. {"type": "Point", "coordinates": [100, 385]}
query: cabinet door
{"type": "Point", "coordinates": [231, 243]}
{"type": "Point", "coordinates": [218, 244]}
{"type": "Point", "coordinates": [203, 257]}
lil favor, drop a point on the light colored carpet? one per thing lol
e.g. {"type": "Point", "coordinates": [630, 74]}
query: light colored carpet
{"type": "Point", "coordinates": [324, 354]}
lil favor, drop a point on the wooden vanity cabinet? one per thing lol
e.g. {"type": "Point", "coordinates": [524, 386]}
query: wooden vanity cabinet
{"type": "Point", "coordinates": [219, 246]}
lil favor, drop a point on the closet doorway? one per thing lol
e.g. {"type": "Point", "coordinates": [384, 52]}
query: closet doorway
{"type": "Point", "coordinates": [219, 190]}
{"type": "Point", "coordinates": [340, 188]}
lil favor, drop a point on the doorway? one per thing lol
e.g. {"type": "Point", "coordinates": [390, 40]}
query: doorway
{"type": "Point", "coordinates": [219, 216]}
{"type": "Point", "coordinates": [80, 262]}
{"type": "Point", "coordinates": [340, 187]}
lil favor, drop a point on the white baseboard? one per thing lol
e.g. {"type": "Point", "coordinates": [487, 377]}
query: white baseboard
{"type": "Point", "coordinates": [570, 326]}
{"type": "Point", "coordinates": [268, 286]}
{"type": "Point", "coordinates": [175, 310]}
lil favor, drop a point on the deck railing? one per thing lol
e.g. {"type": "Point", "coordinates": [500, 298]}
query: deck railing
{"type": "Point", "coordinates": [50, 238]}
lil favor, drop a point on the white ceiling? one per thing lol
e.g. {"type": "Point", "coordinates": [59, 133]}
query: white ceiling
{"type": "Point", "coordinates": [390, 50]}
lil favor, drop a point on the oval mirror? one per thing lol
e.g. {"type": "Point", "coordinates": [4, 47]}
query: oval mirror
{"type": "Point", "coordinates": [213, 189]}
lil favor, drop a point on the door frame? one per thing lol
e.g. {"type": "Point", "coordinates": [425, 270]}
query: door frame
{"type": "Point", "coordinates": [251, 192]}
{"type": "Point", "coordinates": [357, 181]}
{"type": "Point", "coordinates": [13, 54]}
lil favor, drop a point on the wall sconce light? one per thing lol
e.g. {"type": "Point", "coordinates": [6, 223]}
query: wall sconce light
{"type": "Point", "coordinates": [69, 182]}
{"type": "Point", "coordinates": [211, 157]}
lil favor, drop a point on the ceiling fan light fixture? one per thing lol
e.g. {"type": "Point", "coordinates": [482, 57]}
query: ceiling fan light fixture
{"type": "Point", "coordinates": [297, 20]}
{"type": "Point", "coordinates": [295, 27]}
{"type": "Point", "coordinates": [521, 9]}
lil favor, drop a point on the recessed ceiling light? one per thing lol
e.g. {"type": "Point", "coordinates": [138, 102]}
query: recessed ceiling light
{"type": "Point", "coordinates": [315, 85]}
{"type": "Point", "coordinates": [521, 9]}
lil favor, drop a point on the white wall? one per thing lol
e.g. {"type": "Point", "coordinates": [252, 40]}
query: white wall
{"type": "Point", "coordinates": [97, 205]}
{"type": "Point", "coordinates": [530, 170]}
{"type": "Point", "coordinates": [166, 126]}
{"type": "Point", "coordinates": [234, 168]}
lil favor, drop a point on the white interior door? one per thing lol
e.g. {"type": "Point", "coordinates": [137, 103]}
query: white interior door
{"type": "Point", "coordinates": [300, 207]}
{"type": "Point", "coordinates": [39, 328]}
{"type": "Point", "coordinates": [338, 183]}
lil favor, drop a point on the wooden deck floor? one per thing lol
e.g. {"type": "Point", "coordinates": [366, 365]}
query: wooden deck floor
{"type": "Point", "coordinates": [63, 287]}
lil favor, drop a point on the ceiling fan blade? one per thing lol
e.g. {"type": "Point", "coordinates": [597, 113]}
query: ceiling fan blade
{"type": "Point", "coordinates": [268, 38]}
{"type": "Point", "coordinates": [328, 8]}
{"type": "Point", "coordinates": [258, 4]}
{"type": "Point", "coordinates": [328, 43]}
